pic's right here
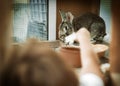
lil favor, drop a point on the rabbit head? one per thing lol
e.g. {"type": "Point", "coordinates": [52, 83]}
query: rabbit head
{"type": "Point", "coordinates": [65, 27]}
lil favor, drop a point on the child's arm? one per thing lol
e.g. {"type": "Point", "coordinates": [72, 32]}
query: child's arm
{"type": "Point", "coordinates": [89, 59]}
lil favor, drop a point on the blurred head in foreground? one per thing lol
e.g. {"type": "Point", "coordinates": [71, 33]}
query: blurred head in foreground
{"type": "Point", "coordinates": [32, 65]}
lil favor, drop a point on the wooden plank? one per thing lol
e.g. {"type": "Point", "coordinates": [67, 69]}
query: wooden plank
{"type": "Point", "coordinates": [52, 44]}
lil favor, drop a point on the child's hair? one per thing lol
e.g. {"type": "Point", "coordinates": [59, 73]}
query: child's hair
{"type": "Point", "coordinates": [31, 65]}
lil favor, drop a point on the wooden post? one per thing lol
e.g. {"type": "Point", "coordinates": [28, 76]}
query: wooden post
{"type": "Point", "coordinates": [5, 27]}
{"type": "Point", "coordinates": [115, 44]}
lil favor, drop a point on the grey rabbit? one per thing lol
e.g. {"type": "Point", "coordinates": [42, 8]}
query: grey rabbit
{"type": "Point", "coordinates": [70, 24]}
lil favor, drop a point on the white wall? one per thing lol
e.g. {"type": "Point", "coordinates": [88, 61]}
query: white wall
{"type": "Point", "coordinates": [105, 13]}
{"type": "Point", "coordinates": [52, 20]}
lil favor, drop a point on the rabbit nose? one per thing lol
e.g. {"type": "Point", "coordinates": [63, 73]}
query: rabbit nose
{"type": "Point", "coordinates": [62, 37]}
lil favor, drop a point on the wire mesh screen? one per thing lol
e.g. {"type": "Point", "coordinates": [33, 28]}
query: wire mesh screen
{"type": "Point", "coordinates": [30, 20]}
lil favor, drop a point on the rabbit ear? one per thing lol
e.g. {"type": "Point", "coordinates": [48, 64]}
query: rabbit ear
{"type": "Point", "coordinates": [63, 15]}
{"type": "Point", "coordinates": [69, 17]}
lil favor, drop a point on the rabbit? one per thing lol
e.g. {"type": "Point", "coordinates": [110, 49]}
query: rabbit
{"type": "Point", "coordinates": [70, 24]}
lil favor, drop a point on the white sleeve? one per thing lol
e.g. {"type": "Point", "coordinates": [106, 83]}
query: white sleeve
{"type": "Point", "coordinates": [90, 79]}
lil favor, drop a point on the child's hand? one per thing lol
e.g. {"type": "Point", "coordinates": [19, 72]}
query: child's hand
{"type": "Point", "coordinates": [82, 34]}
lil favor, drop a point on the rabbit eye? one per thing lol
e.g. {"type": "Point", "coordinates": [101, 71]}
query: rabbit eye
{"type": "Point", "coordinates": [66, 28]}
